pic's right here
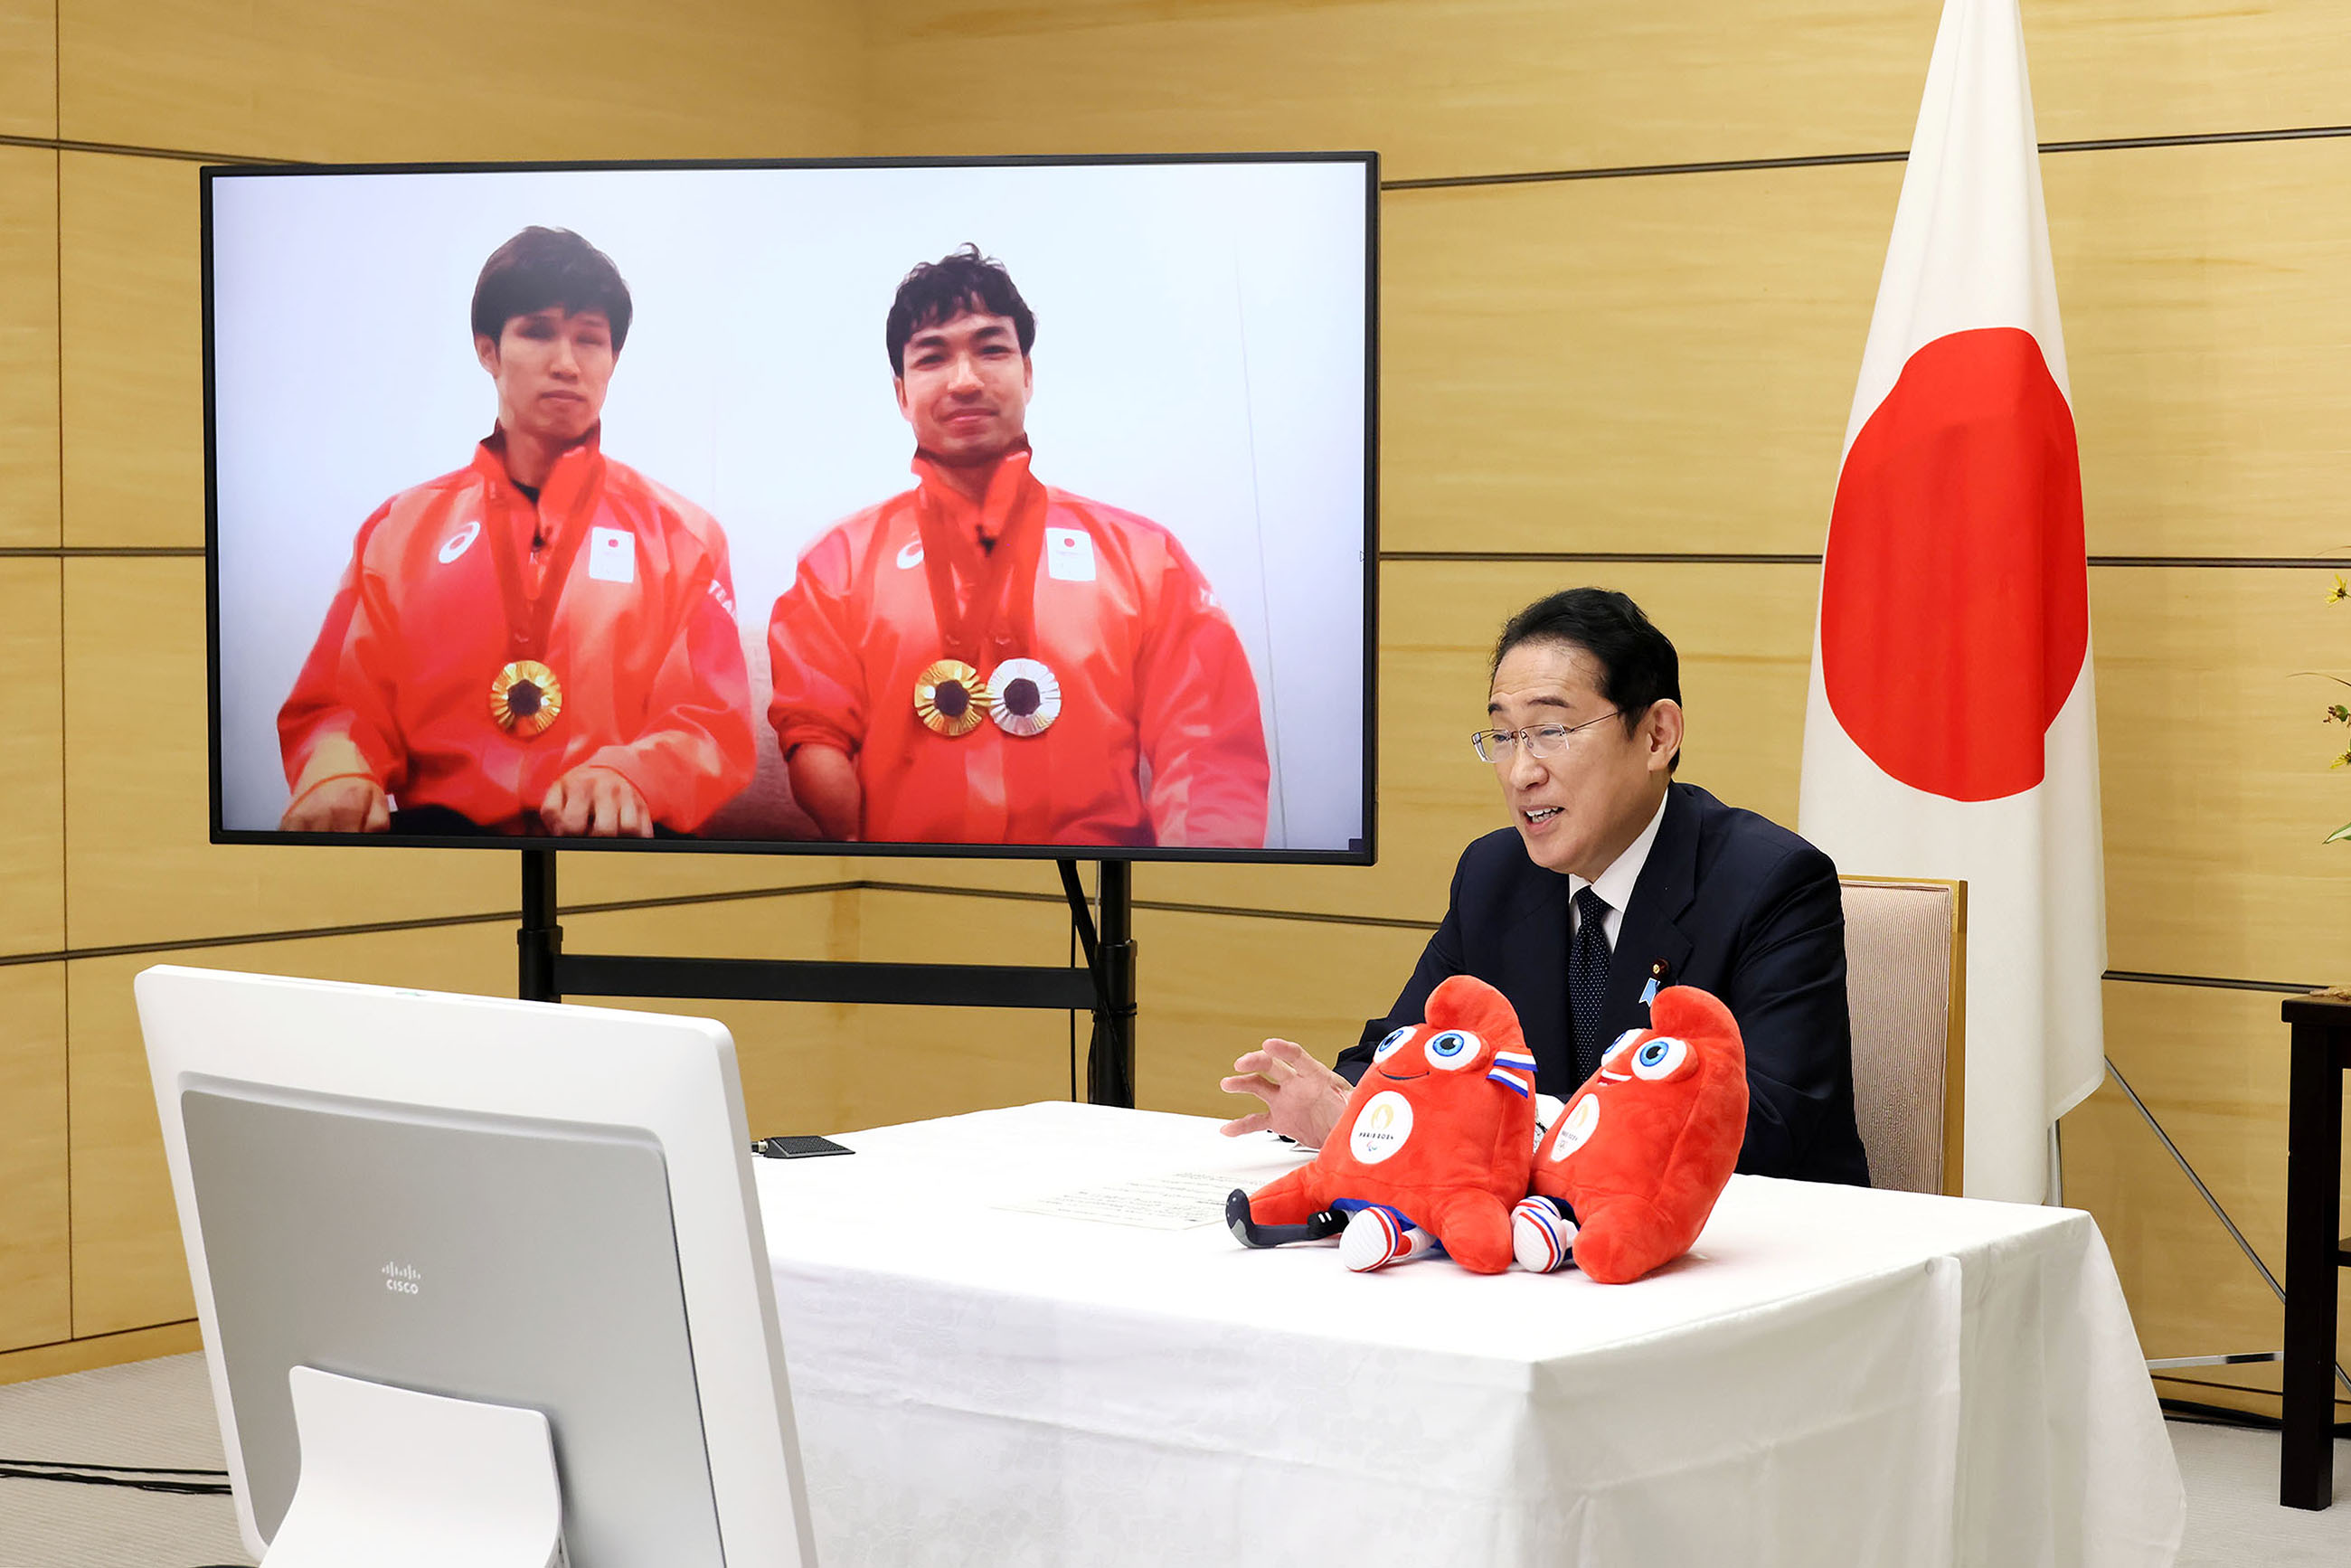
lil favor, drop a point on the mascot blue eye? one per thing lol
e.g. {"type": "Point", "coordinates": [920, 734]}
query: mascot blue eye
{"type": "Point", "coordinates": [1453, 1048]}
{"type": "Point", "coordinates": [1660, 1058]}
{"type": "Point", "coordinates": [1616, 1047]}
{"type": "Point", "coordinates": [1387, 1047]}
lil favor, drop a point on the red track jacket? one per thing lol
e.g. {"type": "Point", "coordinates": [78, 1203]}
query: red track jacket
{"type": "Point", "coordinates": [1151, 674]}
{"type": "Point", "coordinates": [643, 641]}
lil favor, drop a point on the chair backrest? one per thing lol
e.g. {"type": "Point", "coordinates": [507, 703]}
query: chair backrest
{"type": "Point", "coordinates": [1906, 968]}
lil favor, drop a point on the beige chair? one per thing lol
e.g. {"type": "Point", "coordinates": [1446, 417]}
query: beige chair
{"type": "Point", "coordinates": [1906, 946]}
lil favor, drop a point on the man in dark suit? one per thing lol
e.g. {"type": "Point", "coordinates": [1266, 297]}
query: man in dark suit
{"type": "Point", "coordinates": [1612, 877]}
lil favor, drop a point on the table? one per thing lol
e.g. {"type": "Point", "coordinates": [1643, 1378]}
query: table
{"type": "Point", "coordinates": [1833, 1376]}
{"type": "Point", "coordinates": [2315, 1249]}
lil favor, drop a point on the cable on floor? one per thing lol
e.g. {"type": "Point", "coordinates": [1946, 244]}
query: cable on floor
{"type": "Point", "coordinates": [132, 1477]}
{"type": "Point", "coordinates": [2191, 1413]}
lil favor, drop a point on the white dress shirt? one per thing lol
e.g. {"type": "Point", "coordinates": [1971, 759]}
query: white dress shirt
{"type": "Point", "coordinates": [1615, 885]}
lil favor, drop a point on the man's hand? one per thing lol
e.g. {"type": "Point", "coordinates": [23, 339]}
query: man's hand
{"type": "Point", "coordinates": [824, 783]}
{"type": "Point", "coordinates": [1302, 1097]}
{"type": "Point", "coordinates": [347, 805]}
{"type": "Point", "coordinates": [596, 803]}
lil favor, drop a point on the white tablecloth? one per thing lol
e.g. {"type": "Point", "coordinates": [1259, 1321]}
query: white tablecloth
{"type": "Point", "coordinates": [1833, 1377]}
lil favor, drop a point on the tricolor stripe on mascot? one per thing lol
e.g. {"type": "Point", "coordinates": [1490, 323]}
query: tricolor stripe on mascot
{"type": "Point", "coordinates": [1438, 1151]}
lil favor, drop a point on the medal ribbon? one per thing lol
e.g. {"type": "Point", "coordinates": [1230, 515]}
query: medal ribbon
{"type": "Point", "coordinates": [964, 632]}
{"type": "Point", "coordinates": [528, 622]}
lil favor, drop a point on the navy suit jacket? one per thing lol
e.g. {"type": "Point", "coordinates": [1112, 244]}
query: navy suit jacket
{"type": "Point", "coordinates": [1729, 902]}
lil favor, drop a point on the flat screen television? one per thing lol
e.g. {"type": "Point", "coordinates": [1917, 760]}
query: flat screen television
{"type": "Point", "coordinates": [946, 506]}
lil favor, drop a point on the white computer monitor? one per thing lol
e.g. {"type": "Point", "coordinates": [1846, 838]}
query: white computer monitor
{"type": "Point", "coordinates": [471, 1221]}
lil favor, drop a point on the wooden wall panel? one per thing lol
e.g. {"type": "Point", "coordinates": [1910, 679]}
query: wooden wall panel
{"type": "Point", "coordinates": [36, 1274]}
{"type": "Point", "coordinates": [2163, 67]}
{"type": "Point", "coordinates": [133, 375]}
{"type": "Point", "coordinates": [108, 1350]}
{"type": "Point", "coordinates": [2213, 759]}
{"type": "Point", "coordinates": [32, 761]}
{"type": "Point", "coordinates": [1474, 86]}
{"type": "Point", "coordinates": [139, 866]}
{"type": "Point", "coordinates": [28, 341]}
{"type": "Point", "coordinates": [601, 877]}
{"type": "Point", "coordinates": [1668, 364]}
{"type": "Point", "coordinates": [1215, 986]}
{"type": "Point", "coordinates": [1625, 364]}
{"type": "Point", "coordinates": [1440, 89]}
{"type": "Point", "coordinates": [2209, 341]}
{"type": "Point", "coordinates": [915, 1062]}
{"type": "Point", "coordinates": [1039, 877]}
{"type": "Point", "coordinates": [2212, 1066]}
{"type": "Point", "coordinates": [28, 68]}
{"type": "Point", "coordinates": [130, 1271]}
{"type": "Point", "coordinates": [534, 78]}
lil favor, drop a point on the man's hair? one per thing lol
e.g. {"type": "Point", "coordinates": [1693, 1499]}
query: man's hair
{"type": "Point", "coordinates": [1638, 666]}
{"type": "Point", "coordinates": [542, 267]}
{"type": "Point", "coordinates": [961, 282]}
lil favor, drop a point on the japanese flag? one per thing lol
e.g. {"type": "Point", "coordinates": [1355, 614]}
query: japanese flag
{"type": "Point", "coordinates": [1950, 730]}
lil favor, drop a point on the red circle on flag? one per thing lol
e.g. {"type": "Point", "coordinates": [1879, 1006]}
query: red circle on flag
{"type": "Point", "coordinates": [1955, 597]}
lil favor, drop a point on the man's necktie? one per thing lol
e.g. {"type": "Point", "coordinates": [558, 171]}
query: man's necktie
{"type": "Point", "coordinates": [1587, 979]}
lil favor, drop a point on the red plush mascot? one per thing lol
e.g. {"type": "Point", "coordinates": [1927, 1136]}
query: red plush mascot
{"type": "Point", "coordinates": [1430, 1152]}
{"type": "Point", "coordinates": [1625, 1179]}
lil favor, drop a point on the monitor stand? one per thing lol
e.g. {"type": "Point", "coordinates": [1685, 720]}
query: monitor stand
{"type": "Point", "coordinates": [391, 1478]}
{"type": "Point", "coordinates": [1105, 986]}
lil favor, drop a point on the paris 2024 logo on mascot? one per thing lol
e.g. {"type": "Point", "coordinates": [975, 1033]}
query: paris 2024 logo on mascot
{"type": "Point", "coordinates": [1624, 1179]}
{"type": "Point", "coordinates": [1431, 1152]}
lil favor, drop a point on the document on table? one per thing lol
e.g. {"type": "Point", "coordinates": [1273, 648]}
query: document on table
{"type": "Point", "coordinates": [1171, 1200]}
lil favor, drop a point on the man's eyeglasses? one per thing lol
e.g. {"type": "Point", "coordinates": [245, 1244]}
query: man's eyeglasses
{"type": "Point", "coordinates": [1540, 739]}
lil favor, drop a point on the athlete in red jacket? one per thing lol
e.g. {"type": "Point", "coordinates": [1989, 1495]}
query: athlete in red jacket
{"type": "Point", "coordinates": [543, 641]}
{"type": "Point", "coordinates": [985, 659]}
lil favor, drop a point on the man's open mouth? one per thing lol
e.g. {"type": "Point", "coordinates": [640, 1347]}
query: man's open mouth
{"type": "Point", "coordinates": [1541, 813]}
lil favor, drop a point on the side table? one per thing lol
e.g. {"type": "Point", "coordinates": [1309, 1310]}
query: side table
{"type": "Point", "coordinates": [2315, 1248]}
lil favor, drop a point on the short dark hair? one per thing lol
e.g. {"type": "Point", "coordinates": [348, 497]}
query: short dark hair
{"type": "Point", "coordinates": [543, 267]}
{"type": "Point", "coordinates": [1638, 666]}
{"type": "Point", "coordinates": [962, 281]}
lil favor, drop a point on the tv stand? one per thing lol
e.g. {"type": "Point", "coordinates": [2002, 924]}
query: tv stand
{"type": "Point", "coordinates": [1105, 987]}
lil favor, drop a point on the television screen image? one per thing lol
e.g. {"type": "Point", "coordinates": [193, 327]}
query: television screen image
{"type": "Point", "coordinates": [948, 507]}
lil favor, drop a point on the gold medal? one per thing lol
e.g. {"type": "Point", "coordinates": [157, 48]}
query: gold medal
{"type": "Point", "coordinates": [526, 698]}
{"type": "Point", "coordinates": [1026, 696]}
{"type": "Point", "coordinates": [950, 698]}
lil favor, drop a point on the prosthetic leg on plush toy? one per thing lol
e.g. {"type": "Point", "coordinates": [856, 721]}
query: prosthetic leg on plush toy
{"type": "Point", "coordinates": [1371, 1235]}
{"type": "Point", "coordinates": [1320, 1226]}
